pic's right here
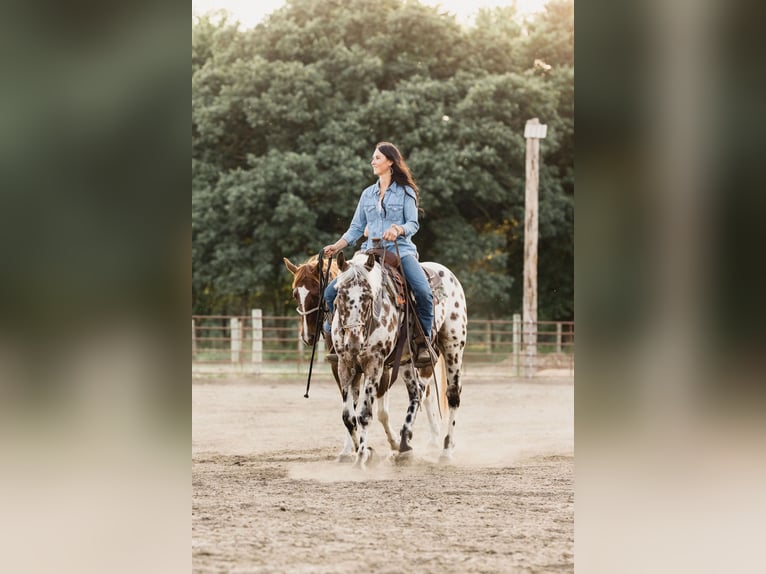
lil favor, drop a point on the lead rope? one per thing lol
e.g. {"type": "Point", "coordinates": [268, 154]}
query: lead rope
{"type": "Point", "coordinates": [323, 282]}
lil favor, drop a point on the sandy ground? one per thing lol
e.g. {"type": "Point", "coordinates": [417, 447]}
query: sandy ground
{"type": "Point", "coordinates": [268, 495]}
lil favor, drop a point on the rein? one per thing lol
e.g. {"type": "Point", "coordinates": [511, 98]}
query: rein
{"type": "Point", "coordinates": [324, 280]}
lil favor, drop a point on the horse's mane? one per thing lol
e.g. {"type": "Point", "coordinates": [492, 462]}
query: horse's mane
{"type": "Point", "coordinates": [353, 274]}
{"type": "Point", "coordinates": [356, 271]}
{"type": "Point", "coordinates": [307, 270]}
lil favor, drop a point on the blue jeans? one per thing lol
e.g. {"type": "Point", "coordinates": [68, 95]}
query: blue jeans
{"type": "Point", "coordinates": [416, 279]}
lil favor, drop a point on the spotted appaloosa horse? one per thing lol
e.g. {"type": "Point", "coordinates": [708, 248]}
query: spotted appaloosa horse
{"type": "Point", "coordinates": [306, 293]}
{"type": "Point", "coordinates": [365, 329]}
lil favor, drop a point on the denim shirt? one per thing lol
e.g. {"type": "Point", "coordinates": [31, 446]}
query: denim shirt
{"type": "Point", "coordinates": [398, 207]}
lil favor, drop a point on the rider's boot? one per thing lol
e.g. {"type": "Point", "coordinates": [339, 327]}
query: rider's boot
{"type": "Point", "coordinates": [332, 356]}
{"type": "Point", "coordinates": [425, 355]}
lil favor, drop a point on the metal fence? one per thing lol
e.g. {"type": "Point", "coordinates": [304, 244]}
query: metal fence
{"type": "Point", "coordinates": [261, 344]}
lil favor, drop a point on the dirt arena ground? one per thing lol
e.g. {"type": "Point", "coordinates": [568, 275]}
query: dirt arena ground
{"type": "Point", "coordinates": [268, 495]}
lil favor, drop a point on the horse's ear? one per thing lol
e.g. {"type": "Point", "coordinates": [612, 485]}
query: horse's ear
{"type": "Point", "coordinates": [341, 260]}
{"type": "Point", "coordinates": [290, 266]}
{"type": "Point", "coordinates": [370, 262]}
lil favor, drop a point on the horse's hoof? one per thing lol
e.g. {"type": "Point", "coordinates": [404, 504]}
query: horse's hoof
{"type": "Point", "coordinates": [404, 457]}
{"type": "Point", "coordinates": [363, 460]}
{"type": "Point", "coordinates": [445, 458]}
{"type": "Point", "coordinates": [345, 458]}
{"type": "Point", "coordinates": [372, 459]}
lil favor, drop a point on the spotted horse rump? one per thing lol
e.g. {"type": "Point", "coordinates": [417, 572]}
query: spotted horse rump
{"type": "Point", "coordinates": [364, 331]}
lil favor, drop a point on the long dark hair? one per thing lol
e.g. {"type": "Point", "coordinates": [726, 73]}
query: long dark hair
{"type": "Point", "coordinates": [401, 174]}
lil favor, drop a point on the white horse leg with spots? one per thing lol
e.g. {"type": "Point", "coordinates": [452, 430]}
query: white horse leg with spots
{"type": "Point", "coordinates": [430, 402]}
{"type": "Point", "coordinates": [349, 417]}
{"type": "Point", "coordinates": [383, 418]}
{"type": "Point", "coordinates": [415, 389]}
{"type": "Point", "coordinates": [454, 388]}
{"type": "Point", "coordinates": [449, 440]}
{"type": "Point", "coordinates": [347, 454]}
{"type": "Point", "coordinates": [363, 416]}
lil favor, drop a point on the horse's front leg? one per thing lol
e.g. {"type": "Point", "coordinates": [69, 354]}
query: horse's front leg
{"type": "Point", "coordinates": [415, 390]}
{"type": "Point", "coordinates": [383, 401]}
{"type": "Point", "coordinates": [350, 395]}
{"type": "Point", "coordinates": [364, 413]}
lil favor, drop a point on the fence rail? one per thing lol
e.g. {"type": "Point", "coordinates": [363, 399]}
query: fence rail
{"type": "Point", "coordinates": [261, 344]}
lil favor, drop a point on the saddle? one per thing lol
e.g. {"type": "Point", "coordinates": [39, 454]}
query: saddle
{"type": "Point", "coordinates": [394, 280]}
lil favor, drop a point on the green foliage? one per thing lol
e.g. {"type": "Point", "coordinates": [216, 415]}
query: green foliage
{"type": "Point", "coordinates": [285, 117]}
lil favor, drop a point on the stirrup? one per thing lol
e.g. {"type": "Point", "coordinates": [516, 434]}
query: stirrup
{"type": "Point", "coordinates": [424, 356]}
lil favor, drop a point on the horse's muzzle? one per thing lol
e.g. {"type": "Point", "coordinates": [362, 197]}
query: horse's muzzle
{"type": "Point", "coordinates": [308, 340]}
{"type": "Point", "coordinates": [353, 345]}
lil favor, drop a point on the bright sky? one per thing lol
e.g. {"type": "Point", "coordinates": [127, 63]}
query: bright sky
{"type": "Point", "coordinates": [250, 12]}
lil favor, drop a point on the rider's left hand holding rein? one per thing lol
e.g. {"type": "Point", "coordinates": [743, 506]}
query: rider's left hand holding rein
{"type": "Point", "coordinates": [391, 233]}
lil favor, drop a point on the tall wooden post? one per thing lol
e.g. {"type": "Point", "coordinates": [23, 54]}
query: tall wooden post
{"type": "Point", "coordinates": [534, 131]}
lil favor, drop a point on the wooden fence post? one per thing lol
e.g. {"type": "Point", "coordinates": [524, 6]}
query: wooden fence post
{"type": "Point", "coordinates": [256, 322]}
{"type": "Point", "coordinates": [488, 337]}
{"type": "Point", "coordinates": [194, 340]}
{"type": "Point", "coordinates": [558, 337]}
{"type": "Point", "coordinates": [236, 338]}
{"type": "Point", "coordinates": [516, 343]}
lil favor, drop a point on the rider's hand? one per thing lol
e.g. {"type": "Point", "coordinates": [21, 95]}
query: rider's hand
{"type": "Point", "coordinates": [331, 250]}
{"type": "Point", "coordinates": [391, 233]}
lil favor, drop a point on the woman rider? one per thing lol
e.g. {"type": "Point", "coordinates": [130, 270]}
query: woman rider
{"type": "Point", "coordinates": [389, 209]}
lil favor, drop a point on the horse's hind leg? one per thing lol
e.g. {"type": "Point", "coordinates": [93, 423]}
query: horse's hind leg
{"type": "Point", "coordinates": [453, 358]}
{"type": "Point", "coordinates": [430, 402]}
{"type": "Point", "coordinates": [415, 389]}
{"type": "Point", "coordinates": [347, 454]}
{"type": "Point", "coordinates": [383, 418]}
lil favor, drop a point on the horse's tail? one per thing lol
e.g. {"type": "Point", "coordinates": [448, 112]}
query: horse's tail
{"type": "Point", "coordinates": [441, 374]}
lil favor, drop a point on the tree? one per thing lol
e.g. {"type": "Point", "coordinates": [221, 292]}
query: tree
{"type": "Point", "coordinates": [286, 115]}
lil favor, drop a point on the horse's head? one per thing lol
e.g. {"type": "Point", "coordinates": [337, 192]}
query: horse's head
{"type": "Point", "coordinates": [358, 286]}
{"type": "Point", "coordinates": [306, 280]}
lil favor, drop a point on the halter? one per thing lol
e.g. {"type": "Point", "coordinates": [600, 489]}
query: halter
{"type": "Point", "coordinates": [310, 311]}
